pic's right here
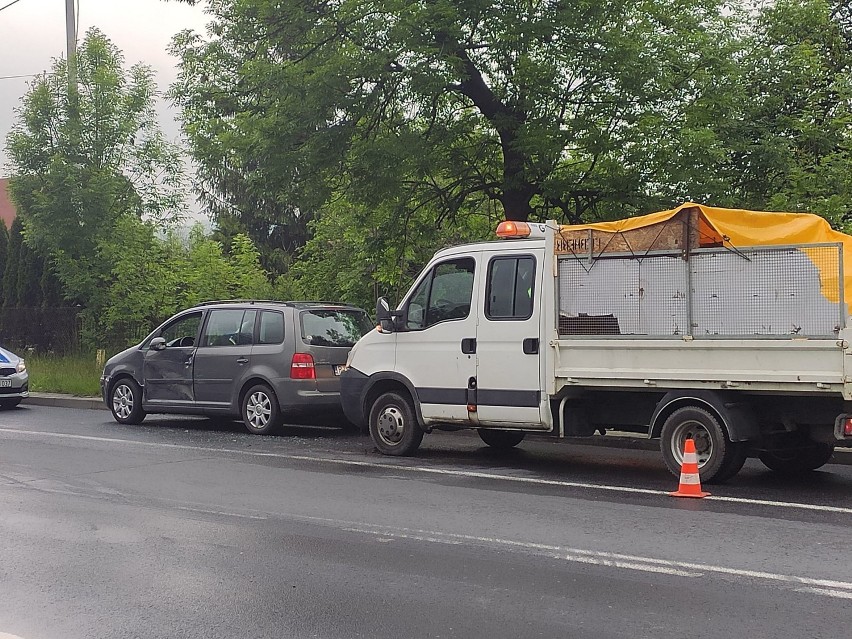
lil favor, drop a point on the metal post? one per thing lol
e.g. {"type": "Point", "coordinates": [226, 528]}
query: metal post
{"type": "Point", "coordinates": [71, 42]}
{"type": "Point", "coordinates": [842, 288]}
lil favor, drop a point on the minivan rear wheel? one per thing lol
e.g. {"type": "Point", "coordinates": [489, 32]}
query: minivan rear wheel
{"type": "Point", "coordinates": [260, 410]}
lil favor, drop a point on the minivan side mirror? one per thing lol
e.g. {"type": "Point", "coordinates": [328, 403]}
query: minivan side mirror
{"type": "Point", "coordinates": [157, 344]}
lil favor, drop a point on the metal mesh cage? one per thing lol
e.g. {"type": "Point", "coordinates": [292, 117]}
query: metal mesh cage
{"type": "Point", "coordinates": [762, 291]}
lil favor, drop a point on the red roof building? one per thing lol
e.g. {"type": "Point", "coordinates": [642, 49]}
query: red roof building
{"type": "Point", "coordinates": [8, 213]}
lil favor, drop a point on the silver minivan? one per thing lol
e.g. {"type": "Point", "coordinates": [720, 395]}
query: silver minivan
{"type": "Point", "coordinates": [251, 359]}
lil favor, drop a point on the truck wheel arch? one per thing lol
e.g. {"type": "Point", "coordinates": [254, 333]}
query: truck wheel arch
{"type": "Point", "coordinates": [735, 414]}
{"type": "Point", "coordinates": [382, 383]}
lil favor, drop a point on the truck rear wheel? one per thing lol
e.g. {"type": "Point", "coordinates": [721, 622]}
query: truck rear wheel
{"type": "Point", "coordinates": [797, 460]}
{"type": "Point", "coordinates": [502, 439]}
{"type": "Point", "coordinates": [393, 426]}
{"type": "Point", "coordinates": [719, 458]}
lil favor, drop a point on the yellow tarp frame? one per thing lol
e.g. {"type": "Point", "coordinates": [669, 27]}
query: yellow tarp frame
{"type": "Point", "coordinates": [740, 228]}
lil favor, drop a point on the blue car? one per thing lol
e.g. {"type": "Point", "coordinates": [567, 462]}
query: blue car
{"type": "Point", "coordinates": [14, 381]}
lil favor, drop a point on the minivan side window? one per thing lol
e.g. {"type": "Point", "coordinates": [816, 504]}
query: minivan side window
{"type": "Point", "coordinates": [183, 331]}
{"type": "Point", "coordinates": [271, 328]}
{"type": "Point", "coordinates": [510, 288]}
{"type": "Point", "coordinates": [229, 327]}
{"type": "Point", "coordinates": [444, 294]}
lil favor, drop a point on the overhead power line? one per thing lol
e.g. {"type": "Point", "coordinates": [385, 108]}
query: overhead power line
{"type": "Point", "coordinates": [12, 77]}
{"type": "Point", "coordinates": [9, 5]}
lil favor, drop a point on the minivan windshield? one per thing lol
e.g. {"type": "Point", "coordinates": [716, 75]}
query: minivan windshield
{"type": "Point", "coordinates": [334, 327]}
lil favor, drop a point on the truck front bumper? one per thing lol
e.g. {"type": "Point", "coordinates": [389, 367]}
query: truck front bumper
{"type": "Point", "coordinates": [353, 383]}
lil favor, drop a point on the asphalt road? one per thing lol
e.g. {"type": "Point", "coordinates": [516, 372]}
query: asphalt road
{"type": "Point", "coordinates": [185, 528]}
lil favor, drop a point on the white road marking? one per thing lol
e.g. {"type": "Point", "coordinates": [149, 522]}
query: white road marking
{"type": "Point", "coordinates": [827, 587]}
{"type": "Point", "coordinates": [827, 593]}
{"type": "Point", "coordinates": [433, 471]}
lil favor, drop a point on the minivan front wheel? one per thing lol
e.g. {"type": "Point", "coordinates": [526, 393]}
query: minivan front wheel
{"type": "Point", "coordinates": [125, 401]}
{"type": "Point", "coordinates": [260, 410]}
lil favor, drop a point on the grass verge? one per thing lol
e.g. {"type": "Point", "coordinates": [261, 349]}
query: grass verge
{"type": "Point", "coordinates": [77, 374]}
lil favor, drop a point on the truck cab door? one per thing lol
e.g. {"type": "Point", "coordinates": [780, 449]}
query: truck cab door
{"type": "Point", "coordinates": [436, 349]}
{"type": "Point", "coordinates": [508, 372]}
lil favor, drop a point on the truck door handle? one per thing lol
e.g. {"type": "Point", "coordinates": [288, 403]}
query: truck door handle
{"type": "Point", "coordinates": [242, 360]}
{"type": "Point", "coordinates": [531, 346]}
{"type": "Point", "coordinates": [468, 345]}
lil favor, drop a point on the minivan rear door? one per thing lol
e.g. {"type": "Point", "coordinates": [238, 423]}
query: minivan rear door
{"type": "Point", "coordinates": [223, 355]}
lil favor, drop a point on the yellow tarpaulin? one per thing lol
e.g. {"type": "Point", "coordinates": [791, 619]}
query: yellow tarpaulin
{"type": "Point", "coordinates": [741, 228]}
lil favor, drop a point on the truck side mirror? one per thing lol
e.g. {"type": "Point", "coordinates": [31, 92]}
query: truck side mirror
{"type": "Point", "coordinates": [384, 315]}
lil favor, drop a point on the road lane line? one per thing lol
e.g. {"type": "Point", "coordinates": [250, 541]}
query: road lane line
{"type": "Point", "coordinates": [389, 465]}
{"type": "Point", "coordinates": [827, 587]}
{"type": "Point", "coordinates": [827, 593]}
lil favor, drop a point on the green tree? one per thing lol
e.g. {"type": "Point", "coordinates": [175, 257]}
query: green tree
{"type": "Point", "coordinates": [83, 164]}
{"type": "Point", "coordinates": [789, 133]}
{"type": "Point", "coordinates": [4, 256]}
{"type": "Point", "coordinates": [28, 286]}
{"type": "Point", "coordinates": [444, 106]}
{"type": "Point", "coordinates": [10, 274]}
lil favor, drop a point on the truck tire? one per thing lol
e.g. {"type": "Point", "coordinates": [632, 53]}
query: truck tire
{"type": "Point", "coordinates": [719, 459]}
{"type": "Point", "coordinates": [125, 401]}
{"type": "Point", "coordinates": [797, 460]}
{"type": "Point", "coordinates": [393, 426]}
{"type": "Point", "coordinates": [502, 439]}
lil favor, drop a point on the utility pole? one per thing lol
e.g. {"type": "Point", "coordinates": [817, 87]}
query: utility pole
{"type": "Point", "coordinates": [71, 37]}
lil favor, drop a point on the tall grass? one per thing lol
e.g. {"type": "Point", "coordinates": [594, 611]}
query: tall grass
{"type": "Point", "coordinates": [77, 374]}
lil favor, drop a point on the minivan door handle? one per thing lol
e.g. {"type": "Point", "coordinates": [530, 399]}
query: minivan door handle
{"type": "Point", "coordinates": [531, 346]}
{"type": "Point", "coordinates": [468, 345]}
{"type": "Point", "coordinates": [242, 360]}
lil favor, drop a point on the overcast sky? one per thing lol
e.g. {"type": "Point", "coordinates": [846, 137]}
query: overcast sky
{"type": "Point", "coordinates": [32, 34]}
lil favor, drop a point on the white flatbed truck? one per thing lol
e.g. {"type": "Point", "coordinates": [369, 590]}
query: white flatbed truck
{"type": "Point", "coordinates": [564, 331]}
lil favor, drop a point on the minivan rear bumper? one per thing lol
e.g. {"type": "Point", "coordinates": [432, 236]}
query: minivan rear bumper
{"type": "Point", "coordinates": [352, 385]}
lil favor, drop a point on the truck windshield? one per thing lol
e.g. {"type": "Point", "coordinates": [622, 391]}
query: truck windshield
{"type": "Point", "coordinates": [334, 327]}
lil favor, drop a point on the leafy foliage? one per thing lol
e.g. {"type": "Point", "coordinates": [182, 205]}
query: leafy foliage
{"type": "Point", "coordinates": [99, 191]}
{"type": "Point", "coordinates": [85, 160]}
{"type": "Point", "coordinates": [537, 107]}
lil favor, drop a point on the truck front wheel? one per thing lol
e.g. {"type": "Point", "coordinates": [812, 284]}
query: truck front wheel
{"type": "Point", "coordinates": [797, 460]}
{"type": "Point", "coordinates": [719, 458]}
{"type": "Point", "coordinates": [393, 426]}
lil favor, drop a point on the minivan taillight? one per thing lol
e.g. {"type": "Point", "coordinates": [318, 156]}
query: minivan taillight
{"type": "Point", "coordinates": [302, 367]}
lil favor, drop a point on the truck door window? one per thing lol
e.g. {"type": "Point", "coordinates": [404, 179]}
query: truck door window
{"type": "Point", "coordinates": [444, 294]}
{"type": "Point", "coordinates": [510, 288]}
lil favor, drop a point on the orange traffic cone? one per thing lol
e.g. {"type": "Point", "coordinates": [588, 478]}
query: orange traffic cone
{"type": "Point", "coordinates": [690, 482]}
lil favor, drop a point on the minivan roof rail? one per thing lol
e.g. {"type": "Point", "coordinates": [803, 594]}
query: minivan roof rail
{"type": "Point", "coordinates": [281, 302]}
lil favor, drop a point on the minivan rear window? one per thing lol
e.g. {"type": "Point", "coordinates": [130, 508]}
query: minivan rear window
{"type": "Point", "coordinates": [334, 327]}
